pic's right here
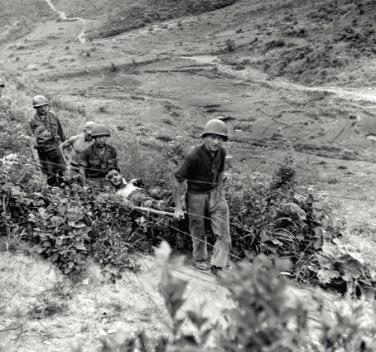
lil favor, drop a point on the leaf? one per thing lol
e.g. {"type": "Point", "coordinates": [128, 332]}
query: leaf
{"type": "Point", "coordinates": [67, 270]}
{"type": "Point", "coordinates": [162, 253]}
{"type": "Point", "coordinates": [77, 224]}
{"type": "Point", "coordinates": [32, 218]}
{"type": "Point", "coordinates": [56, 220]}
{"type": "Point", "coordinates": [37, 249]}
{"type": "Point", "coordinates": [46, 244]}
{"type": "Point", "coordinates": [16, 191]}
{"type": "Point", "coordinates": [293, 208]}
{"type": "Point", "coordinates": [187, 340]}
{"type": "Point", "coordinates": [205, 335]}
{"type": "Point", "coordinates": [197, 319]}
{"type": "Point", "coordinates": [177, 324]}
{"type": "Point", "coordinates": [349, 267]}
{"type": "Point", "coordinates": [42, 213]}
{"type": "Point", "coordinates": [54, 257]}
{"type": "Point", "coordinates": [319, 231]}
{"type": "Point", "coordinates": [80, 246]}
{"type": "Point", "coordinates": [38, 195]}
{"type": "Point", "coordinates": [317, 244]}
{"type": "Point", "coordinates": [326, 275]}
{"type": "Point", "coordinates": [172, 290]}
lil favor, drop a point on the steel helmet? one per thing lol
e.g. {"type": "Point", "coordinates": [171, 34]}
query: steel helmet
{"type": "Point", "coordinates": [39, 100]}
{"type": "Point", "coordinates": [100, 130]}
{"type": "Point", "coordinates": [217, 127]}
{"type": "Point", "coordinates": [89, 125]}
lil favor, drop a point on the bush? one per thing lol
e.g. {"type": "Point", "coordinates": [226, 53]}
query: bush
{"type": "Point", "coordinates": [261, 319]}
{"type": "Point", "coordinates": [69, 225]}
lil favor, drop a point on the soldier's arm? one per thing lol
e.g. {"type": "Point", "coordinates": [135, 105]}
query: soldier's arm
{"type": "Point", "coordinates": [32, 149]}
{"type": "Point", "coordinates": [221, 176]}
{"type": "Point", "coordinates": [68, 143]}
{"type": "Point", "coordinates": [60, 131]}
{"type": "Point", "coordinates": [82, 167]}
{"type": "Point", "coordinates": [179, 184]}
{"type": "Point", "coordinates": [220, 183]}
{"type": "Point", "coordinates": [31, 140]}
{"type": "Point", "coordinates": [82, 174]}
{"type": "Point", "coordinates": [178, 192]}
{"type": "Point", "coordinates": [116, 163]}
{"type": "Point", "coordinates": [30, 129]}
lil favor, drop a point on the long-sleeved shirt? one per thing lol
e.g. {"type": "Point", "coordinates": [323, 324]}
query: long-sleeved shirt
{"type": "Point", "coordinates": [46, 129]}
{"type": "Point", "coordinates": [99, 162]}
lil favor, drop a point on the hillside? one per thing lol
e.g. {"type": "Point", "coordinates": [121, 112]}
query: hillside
{"type": "Point", "coordinates": [294, 79]}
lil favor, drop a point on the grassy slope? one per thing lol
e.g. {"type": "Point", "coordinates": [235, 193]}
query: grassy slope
{"type": "Point", "coordinates": [309, 41]}
{"type": "Point", "coordinates": [141, 99]}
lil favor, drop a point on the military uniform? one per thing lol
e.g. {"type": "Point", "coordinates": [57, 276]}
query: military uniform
{"type": "Point", "coordinates": [48, 133]}
{"type": "Point", "coordinates": [98, 161]}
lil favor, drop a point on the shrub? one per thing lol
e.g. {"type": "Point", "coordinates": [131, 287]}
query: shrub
{"type": "Point", "coordinates": [68, 225]}
{"type": "Point", "coordinates": [261, 319]}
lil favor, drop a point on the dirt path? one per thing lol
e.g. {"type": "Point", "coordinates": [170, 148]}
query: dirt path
{"type": "Point", "coordinates": [43, 311]}
{"type": "Point", "coordinates": [254, 75]}
{"type": "Point", "coordinates": [63, 17]}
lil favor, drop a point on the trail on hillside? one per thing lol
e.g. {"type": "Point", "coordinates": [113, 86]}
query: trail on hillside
{"type": "Point", "coordinates": [256, 75]}
{"type": "Point", "coordinates": [63, 17]}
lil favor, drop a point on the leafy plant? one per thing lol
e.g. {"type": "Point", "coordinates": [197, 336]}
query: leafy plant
{"type": "Point", "coordinates": [172, 290]}
{"type": "Point", "coordinates": [260, 320]}
{"type": "Point", "coordinates": [350, 331]}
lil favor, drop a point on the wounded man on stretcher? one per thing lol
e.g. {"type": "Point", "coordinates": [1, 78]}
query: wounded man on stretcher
{"type": "Point", "coordinates": [132, 192]}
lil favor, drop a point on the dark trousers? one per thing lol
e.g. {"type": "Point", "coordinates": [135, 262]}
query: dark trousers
{"type": "Point", "coordinates": [52, 164]}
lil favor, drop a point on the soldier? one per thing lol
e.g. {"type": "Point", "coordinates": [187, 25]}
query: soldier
{"type": "Point", "coordinates": [74, 146]}
{"type": "Point", "coordinates": [132, 192]}
{"type": "Point", "coordinates": [98, 159]}
{"type": "Point", "coordinates": [202, 170]}
{"type": "Point", "coordinates": [47, 133]}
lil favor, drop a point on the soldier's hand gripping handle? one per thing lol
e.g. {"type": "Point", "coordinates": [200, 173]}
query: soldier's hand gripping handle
{"type": "Point", "coordinates": [33, 150]}
{"type": "Point", "coordinates": [179, 214]}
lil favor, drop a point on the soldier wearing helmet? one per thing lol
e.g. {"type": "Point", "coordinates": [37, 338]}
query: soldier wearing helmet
{"type": "Point", "coordinates": [202, 171]}
{"type": "Point", "coordinates": [98, 159]}
{"type": "Point", "coordinates": [47, 133]}
{"type": "Point", "coordinates": [74, 146]}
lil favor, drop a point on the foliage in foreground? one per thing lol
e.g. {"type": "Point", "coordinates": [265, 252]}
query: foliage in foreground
{"type": "Point", "coordinates": [263, 317]}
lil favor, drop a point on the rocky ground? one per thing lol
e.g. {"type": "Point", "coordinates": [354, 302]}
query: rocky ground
{"type": "Point", "coordinates": [294, 78]}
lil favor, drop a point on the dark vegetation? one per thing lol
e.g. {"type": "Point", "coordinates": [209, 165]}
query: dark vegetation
{"type": "Point", "coordinates": [312, 42]}
{"type": "Point", "coordinates": [152, 11]}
